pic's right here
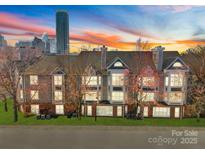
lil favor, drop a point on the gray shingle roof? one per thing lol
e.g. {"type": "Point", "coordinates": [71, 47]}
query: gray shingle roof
{"type": "Point", "coordinates": [169, 57]}
{"type": "Point", "coordinates": [135, 60]}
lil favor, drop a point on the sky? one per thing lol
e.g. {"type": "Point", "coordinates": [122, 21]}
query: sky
{"type": "Point", "coordinates": [118, 27]}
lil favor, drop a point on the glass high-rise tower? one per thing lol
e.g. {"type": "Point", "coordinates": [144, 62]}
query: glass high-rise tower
{"type": "Point", "coordinates": [62, 30]}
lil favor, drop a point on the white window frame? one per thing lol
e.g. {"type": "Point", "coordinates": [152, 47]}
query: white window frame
{"type": "Point", "coordinates": [176, 101]}
{"type": "Point", "coordinates": [118, 64]}
{"type": "Point", "coordinates": [163, 112]}
{"type": "Point", "coordinates": [92, 80]}
{"type": "Point", "coordinates": [58, 97]}
{"type": "Point", "coordinates": [89, 110]}
{"type": "Point", "coordinates": [104, 111]}
{"type": "Point", "coordinates": [60, 109]}
{"type": "Point", "coordinates": [176, 112]}
{"type": "Point", "coordinates": [117, 79]}
{"type": "Point", "coordinates": [91, 95]}
{"type": "Point", "coordinates": [148, 96]}
{"type": "Point", "coordinates": [35, 109]}
{"type": "Point", "coordinates": [33, 79]}
{"type": "Point", "coordinates": [34, 95]}
{"type": "Point", "coordinates": [146, 110]}
{"type": "Point", "coordinates": [58, 80]}
{"type": "Point", "coordinates": [176, 80]}
{"type": "Point", "coordinates": [118, 96]}
{"type": "Point", "coordinates": [119, 111]}
{"type": "Point", "coordinates": [166, 81]}
{"type": "Point", "coordinates": [177, 64]}
{"type": "Point", "coordinates": [147, 80]}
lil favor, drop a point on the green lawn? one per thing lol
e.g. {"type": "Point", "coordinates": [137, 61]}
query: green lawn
{"type": "Point", "coordinates": [6, 118]}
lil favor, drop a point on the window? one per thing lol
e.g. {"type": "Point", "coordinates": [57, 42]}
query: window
{"type": "Point", "coordinates": [89, 110]}
{"type": "Point", "coordinates": [58, 96]}
{"type": "Point", "coordinates": [177, 64]}
{"type": "Point", "coordinates": [161, 112]}
{"type": "Point", "coordinates": [92, 80]}
{"type": "Point", "coordinates": [176, 113]}
{"type": "Point", "coordinates": [34, 95]}
{"type": "Point", "coordinates": [104, 111]}
{"type": "Point", "coordinates": [91, 96]}
{"type": "Point", "coordinates": [21, 94]}
{"type": "Point", "coordinates": [119, 110]}
{"type": "Point", "coordinates": [58, 80]}
{"type": "Point", "coordinates": [117, 96]}
{"type": "Point", "coordinates": [82, 109]}
{"type": "Point", "coordinates": [118, 64]}
{"type": "Point", "coordinates": [148, 81]}
{"type": "Point", "coordinates": [146, 111]}
{"type": "Point", "coordinates": [33, 80]}
{"type": "Point", "coordinates": [148, 96]}
{"type": "Point", "coordinates": [117, 79]}
{"type": "Point", "coordinates": [59, 109]}
{"type": "Point", "coordinates": [166, 81]}
{"type": "Point", "coordinates": [35, 109]}
{"type": "Point", "coordinates": [176, 80]}
{"type": "Point", "coordinates": [175, 97]}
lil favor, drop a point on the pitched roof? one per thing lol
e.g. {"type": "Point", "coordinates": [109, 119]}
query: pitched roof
{"type": "Point", "coordinates": [135, 60]}
{"type": "Point", "coordinates": [169, 57]}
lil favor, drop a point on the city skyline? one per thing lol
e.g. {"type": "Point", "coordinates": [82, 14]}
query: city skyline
{"type": "Point", "coordinates": [175, 27]}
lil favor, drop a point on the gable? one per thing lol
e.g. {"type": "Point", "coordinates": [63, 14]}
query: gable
{"type": "Point", "coordinates": [117, 64]}
{"type": "Point", "coordinates": [178, 63]}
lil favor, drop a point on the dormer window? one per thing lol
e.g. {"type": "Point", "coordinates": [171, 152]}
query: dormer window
{"type": "Point", "coordinates": [177, 64]}
{"type": "Point", "coordinates": [118, 64]}
{"type": "Point", "coordinates": [33, 80]}
{"type": "Point", "coordinates": [58, 80]}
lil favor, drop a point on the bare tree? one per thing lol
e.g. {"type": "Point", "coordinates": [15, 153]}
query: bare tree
{"type": "Point", "coordinates": [77, 77]}
{"type": "Point", "coordinates": [11, 69]}
{"type": "Point", "coordinates": [142, 45]}
{"type": "Point", "coordinates": [195, 59]}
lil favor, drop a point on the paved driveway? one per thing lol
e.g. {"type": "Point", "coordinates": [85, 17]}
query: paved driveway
{"type": "Point", "coordinates": [100, 137]}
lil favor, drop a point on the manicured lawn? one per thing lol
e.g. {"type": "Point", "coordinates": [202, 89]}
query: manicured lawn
{"type": "Point", "coordinates": [6, 118]}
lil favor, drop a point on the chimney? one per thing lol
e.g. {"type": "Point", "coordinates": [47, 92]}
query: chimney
{"type": "Point", "coordinates": [157, 56]}
{"type": "Point", "coordinates": [104, 73]}
{"type": "Point", "coordinates": [103, 50]}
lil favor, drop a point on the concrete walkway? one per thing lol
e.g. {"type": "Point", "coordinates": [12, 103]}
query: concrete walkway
{"type": "Point", "coordinates": [101, 137]}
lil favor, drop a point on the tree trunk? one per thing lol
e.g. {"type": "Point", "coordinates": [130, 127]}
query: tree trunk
{"type": "Point", "coordinates": [95, 112]}
{"type": "Point", "coordinates": [5, 106]}
{"type": "Point", "coordinates": [15, 111]}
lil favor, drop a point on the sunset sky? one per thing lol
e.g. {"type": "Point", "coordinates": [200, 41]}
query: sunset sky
{"type": "Point", "coordinates": [175, 27]}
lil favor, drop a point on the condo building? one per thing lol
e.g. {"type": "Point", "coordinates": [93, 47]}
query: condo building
{"type": "Point", "coordinates": [45, 84]}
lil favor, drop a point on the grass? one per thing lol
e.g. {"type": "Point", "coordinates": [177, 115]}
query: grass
{"type": "Point", "coordinates": [6, 118]}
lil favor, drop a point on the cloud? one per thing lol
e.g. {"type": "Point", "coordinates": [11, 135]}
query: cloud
{"type": "Point", "coordinates": [168, 8]}
{"type": "Point", "coordinates": [24, 24]}
{"type": "Point", "coordinates": [101, 38]}
{"type": "Point", "coordinates": [114, 41]}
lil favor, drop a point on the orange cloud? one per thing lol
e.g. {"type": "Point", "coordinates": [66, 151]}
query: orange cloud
{"type": "Point", "coordinates": [99, 38]}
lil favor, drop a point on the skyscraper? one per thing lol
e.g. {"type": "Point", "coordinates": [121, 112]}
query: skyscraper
{"type": "Point", "coordinates": [62, 31]}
